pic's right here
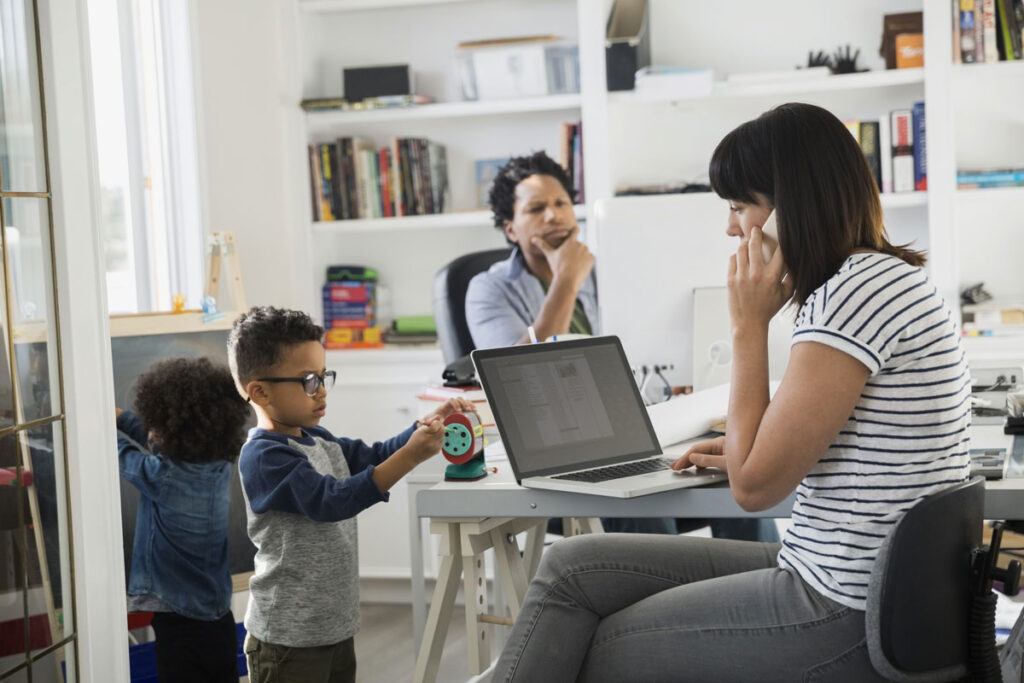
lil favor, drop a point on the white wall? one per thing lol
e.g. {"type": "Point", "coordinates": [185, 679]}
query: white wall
{"type": "Point", "coordinates": [242, 120]}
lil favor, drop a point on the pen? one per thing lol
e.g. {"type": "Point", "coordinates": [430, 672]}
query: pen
{"type": "Point", "coordinates": [533, 334]}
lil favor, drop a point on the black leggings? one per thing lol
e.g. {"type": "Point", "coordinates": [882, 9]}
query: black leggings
{"type": "Point", "coordinates": [194, 651]}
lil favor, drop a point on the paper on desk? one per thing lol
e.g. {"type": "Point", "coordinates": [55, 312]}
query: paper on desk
{"type": "Point", "coordinates": [689, 415]}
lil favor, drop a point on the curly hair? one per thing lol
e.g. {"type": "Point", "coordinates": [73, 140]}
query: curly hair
{"type": "Point", "coordinates": [502, 195]}
{"type": "Point", "coordinates": [260, 336]}
{"type": "Point", "coordinates": [192, 410]}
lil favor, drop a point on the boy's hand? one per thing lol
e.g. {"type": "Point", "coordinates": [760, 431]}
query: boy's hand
{"type": "Point", "coordinates": [426, 441]}
{"type": "Point", "coordinates": [452, 405]}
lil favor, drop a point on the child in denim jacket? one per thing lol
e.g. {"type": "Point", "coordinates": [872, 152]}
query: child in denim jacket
{"type": "Point", "coordinates": [178, 452]}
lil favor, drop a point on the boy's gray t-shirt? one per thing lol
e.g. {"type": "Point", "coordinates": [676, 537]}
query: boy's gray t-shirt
{"type": "Point", "coordinates": [302, 495]}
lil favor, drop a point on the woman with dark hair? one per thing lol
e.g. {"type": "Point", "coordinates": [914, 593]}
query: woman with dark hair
{"type": "Point", "coordinates": [870, 417]}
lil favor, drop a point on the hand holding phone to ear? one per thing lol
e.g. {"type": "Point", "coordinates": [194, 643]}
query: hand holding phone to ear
{"type": "Point", "coordinates": [769, 237]}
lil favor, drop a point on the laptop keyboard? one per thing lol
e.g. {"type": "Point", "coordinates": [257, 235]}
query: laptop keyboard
{"type": "Point", "coordinates": [618, 471]}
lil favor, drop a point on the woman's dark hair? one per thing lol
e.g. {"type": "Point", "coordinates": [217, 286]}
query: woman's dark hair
{"type": "Point", "coordinates": [192, 410]}
{"type": "Point", "coordinates": [804, 160]}
{"type": "Point", "coordinates": [502, 196]}
{"type": "Point", "coordinates": [260, 336]}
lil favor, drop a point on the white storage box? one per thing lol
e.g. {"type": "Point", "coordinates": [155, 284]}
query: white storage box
{"type": "Point", "coordinates": [506, 68]}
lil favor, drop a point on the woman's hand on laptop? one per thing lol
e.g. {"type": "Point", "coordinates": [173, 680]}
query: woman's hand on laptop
{"type": "Point", "coordinates": [709, 453]}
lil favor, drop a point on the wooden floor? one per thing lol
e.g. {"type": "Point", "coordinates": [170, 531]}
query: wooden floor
{"type": "Point", "coordinates": [384, 649]}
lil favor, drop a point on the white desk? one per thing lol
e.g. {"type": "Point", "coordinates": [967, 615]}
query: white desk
{"type": "Point", "coordinates": [498, 496]}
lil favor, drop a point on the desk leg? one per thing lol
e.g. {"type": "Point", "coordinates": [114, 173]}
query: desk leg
{"type": "Point", "coordinates": [429, 659]}
{"type": "Point", "coordinates": [474, 590]}
{"type": "Point", "coordinates": [509, 569]}
{"type": "Point", "coordinates": [419, 588]}
{"type": "Point", "coordinates": [534, 548]}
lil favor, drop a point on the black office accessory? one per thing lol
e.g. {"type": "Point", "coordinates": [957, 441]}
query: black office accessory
{"type": "Point", "coordinates": [627, 43]}
{"type": "Point", "coordinates": [376, 81]}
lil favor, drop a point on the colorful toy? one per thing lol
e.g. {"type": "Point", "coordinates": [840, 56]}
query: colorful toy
{"type": "Point", "coordinates": [463, 447]}
{"type": "Point", "coordinates": [210, 312]}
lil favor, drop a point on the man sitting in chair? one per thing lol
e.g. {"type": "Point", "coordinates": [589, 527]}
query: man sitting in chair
{"type": "Point", "coordinates": [548, 282]}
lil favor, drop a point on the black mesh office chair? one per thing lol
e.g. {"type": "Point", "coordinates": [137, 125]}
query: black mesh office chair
{"type": "Point", "coordinates": [930, 610]}
{"type": "Point", "coordinates": [450, 285]}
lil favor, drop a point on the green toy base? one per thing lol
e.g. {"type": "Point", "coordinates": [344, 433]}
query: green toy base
{"type": "Point", "coordinates": [468, 471]}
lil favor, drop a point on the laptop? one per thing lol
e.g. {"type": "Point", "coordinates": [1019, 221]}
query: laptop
{"type": "Point", "coordinates": [571, 419]}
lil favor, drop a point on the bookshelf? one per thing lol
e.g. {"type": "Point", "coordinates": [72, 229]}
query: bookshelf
{"type": "Point", "coordinates": [628, 140]}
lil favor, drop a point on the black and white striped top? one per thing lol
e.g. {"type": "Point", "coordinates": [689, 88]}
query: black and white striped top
{"type": "Point", "coordinates": [907, 437]}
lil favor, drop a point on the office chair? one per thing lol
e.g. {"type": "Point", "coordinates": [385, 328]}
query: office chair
{"type": "Point", "coordinates": [930, 608]}
{"type": "Point", "coordinates": [450, 285]}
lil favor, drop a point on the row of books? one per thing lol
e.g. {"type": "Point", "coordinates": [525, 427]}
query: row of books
{"type": "Point", "coordinates": [350, 308]}
{"type": "Point", "coordinates": [984, 178]}
{"type": "Point", "coordinates": [988, 30]}
{"type": "Point", "coordinates": [895, 149]}
{"type": "Point", "coordinates": [570, 155]}
{"type": "Point", "coordinates": [351, 178]}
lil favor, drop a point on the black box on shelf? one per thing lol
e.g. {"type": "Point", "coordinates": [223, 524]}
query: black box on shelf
{"type": "Point", "coordinates": [627, 43]}
{"type": "Point", "coordinates": [376, 81]}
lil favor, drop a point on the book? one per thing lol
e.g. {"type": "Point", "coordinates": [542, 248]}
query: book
{"type": "Point", "coordinates": [356, 292]}
{"type": "Point", "coordinates": [920, 148]}
{"type": "Point", "coordinates": [995, 178]}
{"type": "Point", "coordinates": [988, 30]}
{"type": "Point", "coordinates": [902, 150]}
{"type": "Point", "coordinates": [968, 38]}
{"type": "Point", "coordinates": [885, 153]}
{"type": "Point", "coordinates": [869, 144]}
{"type": "Point", "coordinates": [1004, 12]}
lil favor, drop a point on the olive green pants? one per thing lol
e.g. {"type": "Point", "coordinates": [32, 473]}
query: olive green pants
{"type": "Point", "coordinates": [269, 663]}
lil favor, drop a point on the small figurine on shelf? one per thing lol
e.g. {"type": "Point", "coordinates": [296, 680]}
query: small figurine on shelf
{"type": "Point", "coordinates": [843, 62]}
{"type": "Point", "coordinates": [210, 312]}
{"type": "Point", "coordinates": [463, 447]}
{"type": "Point", "coordinates": [178, 303]}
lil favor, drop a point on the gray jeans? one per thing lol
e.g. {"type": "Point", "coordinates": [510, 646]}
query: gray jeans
{"type": "Point", "coordinates": [628, 607]}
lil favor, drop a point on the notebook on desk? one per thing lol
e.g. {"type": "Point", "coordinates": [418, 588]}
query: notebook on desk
{"type": "Point", "coordinates": [571, 419]}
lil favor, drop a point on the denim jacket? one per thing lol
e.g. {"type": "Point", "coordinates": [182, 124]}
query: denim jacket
{"type": "Point", "coordinates": [180, 554]}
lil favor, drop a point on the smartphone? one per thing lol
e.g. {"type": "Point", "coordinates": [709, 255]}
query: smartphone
{"type": "Point", "coordinates": [770, 233]}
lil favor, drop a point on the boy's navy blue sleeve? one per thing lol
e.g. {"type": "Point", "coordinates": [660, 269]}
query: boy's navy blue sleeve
{"type": "Point", "coordinates": [139, 467]}
{"type": "Point", "coordinates": [277, 477]}
{"type": "Point", "coordinates": [361, 455]}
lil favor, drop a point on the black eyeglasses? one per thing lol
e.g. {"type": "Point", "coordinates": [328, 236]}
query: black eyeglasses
{"type": "Point", "coordinates": [311, 383]}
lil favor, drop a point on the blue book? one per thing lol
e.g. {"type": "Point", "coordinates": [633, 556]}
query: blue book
{"type": "Point", "coordinates": [991, 178]}
{"type": "Point", "coordinates": [920, 149]}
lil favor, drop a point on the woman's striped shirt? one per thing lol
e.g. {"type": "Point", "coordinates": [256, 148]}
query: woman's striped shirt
{"type": "Point", "coordinates": [907, 436]}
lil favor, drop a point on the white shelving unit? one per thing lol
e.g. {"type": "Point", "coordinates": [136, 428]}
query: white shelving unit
{"type": "Point", "coordinates": [973, 118]}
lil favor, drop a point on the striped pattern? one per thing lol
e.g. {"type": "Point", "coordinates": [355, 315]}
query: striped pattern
{"type": "Point", "coordinates": [907, 437]}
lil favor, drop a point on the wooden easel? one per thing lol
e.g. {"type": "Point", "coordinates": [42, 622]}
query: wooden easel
{"type": "Point", "coordinates": [222, 247]}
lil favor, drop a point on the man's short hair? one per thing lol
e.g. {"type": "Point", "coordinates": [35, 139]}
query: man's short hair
{"type": "Point", "coordinates": [502, 196]}
{"type": "Point", "coordinates": [260, 337]}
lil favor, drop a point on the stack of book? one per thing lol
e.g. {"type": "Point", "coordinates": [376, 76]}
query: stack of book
{"type": "Point", "coordinates": [988, 31]}
{"type": "Point", "coordinates": [895, 148]}
{"type": "Point", "coordinates": [350, 308]}
{"type": "Point", "coordinates": [350, 178]}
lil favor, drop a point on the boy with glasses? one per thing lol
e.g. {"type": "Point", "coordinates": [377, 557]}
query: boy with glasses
{"type": "Point", "coordinates": [303, 488]}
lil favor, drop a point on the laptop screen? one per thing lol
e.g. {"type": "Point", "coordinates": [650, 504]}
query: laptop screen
{"type": "Point", "coordinates": [564, 406]}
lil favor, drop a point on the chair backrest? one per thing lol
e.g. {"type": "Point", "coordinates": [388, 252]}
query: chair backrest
{"type": "Point", "coordinates": [919, 593]}
{"type": "Point", "coordinates": [450, 285]}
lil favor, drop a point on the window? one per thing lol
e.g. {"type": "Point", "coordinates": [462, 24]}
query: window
{"type": "Point", "coordinates": [149, 168]}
